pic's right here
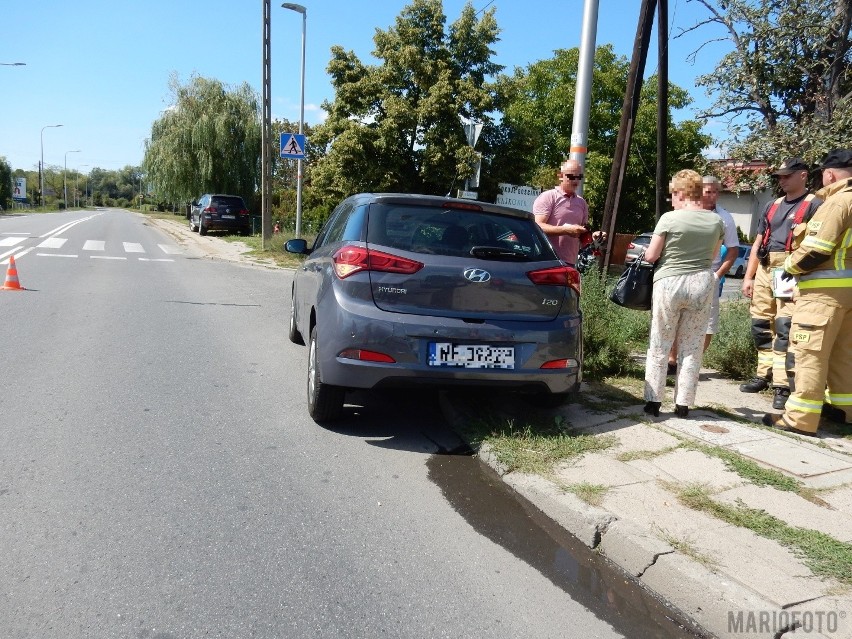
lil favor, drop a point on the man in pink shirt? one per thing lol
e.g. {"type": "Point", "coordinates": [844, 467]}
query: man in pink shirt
{"type": "Point", "coordinates": [562, 214]}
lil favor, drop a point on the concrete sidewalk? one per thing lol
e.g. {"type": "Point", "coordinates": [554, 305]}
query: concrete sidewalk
{"type": "Point", "coordinates": [730, 580]}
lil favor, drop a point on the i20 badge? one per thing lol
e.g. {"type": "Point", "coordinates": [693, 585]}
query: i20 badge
{"type": "Point", "coordinates": [477, 275]}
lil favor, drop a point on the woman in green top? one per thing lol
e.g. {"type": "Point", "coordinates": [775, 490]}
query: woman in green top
{"type": "Point", "coordinates": [684, 243]}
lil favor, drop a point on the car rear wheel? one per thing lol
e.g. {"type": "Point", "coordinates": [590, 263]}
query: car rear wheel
{"type": "Point", "coordinates": [292, 331]}
{"type": "Point", "coordinates": [739, 272]}
{"type": "Point", "coordinates": [202, 230]}
{"type": "Point", "coordinates": [325, 402]}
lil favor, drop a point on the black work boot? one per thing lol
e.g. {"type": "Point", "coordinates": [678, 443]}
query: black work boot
{"type": "Point", "coordinates": [754, 385]}
{"type": "Point", "coordinates": [833, 414]}
{"type": "Point", "coordinates": [780, 398]}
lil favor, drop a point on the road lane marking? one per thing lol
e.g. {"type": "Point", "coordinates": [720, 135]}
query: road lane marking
{"type": "Point", "coordinates": [53, 242]}
{"type": "Point", "coordinates": [94, 245]}
{"type": "Point", "coordinates": [155, 259]}
{"type": "Point", "coordinates": [133, 247]}
{"type": "Point", "coordinates": [106, 257]}
{"type": "Point", "coordinates": [53, 255]}
{"type": "Point", "coordinates": [11, 241]}
{"type": "Point", "coordinates": [169, 249]}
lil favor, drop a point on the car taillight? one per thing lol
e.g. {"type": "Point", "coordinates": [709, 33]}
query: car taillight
{"type": "Point", "coordinates": [561, 363]}
{"type": "Point", "coordinates": [351, 259]}
{"type": "Point", "coordinates": [243, 212]}
{"type": "Point", "coordinates": [209, 209]}
{"type": "Point", "coordinates": [366, 356]}
{"type": "Point", "coordinates": [557, 276]}
{"type": "Point", "coordinates": [631, 246]}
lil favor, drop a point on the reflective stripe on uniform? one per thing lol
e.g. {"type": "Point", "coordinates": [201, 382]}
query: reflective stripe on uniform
{"type": "Point", "coordinates": [803, 405]}
{"type": "Point", "coordinates": [840, 399]}
{"type": "Point", "coordinates": [842, 249]}
{"type": "Point", "coordinates": [823, 246]}
{"type": "Point", "coordinates": [788, 266]}
{"type": "Point", "coordinates": [841, 282]}
{"type": "Point", "coordinates": [826, 279]}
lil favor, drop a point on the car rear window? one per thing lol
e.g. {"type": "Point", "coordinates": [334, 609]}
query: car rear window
{"type": "Point", "coordinates": [439, 231]}
{"type": "Point", "coordinates": [233, 201]}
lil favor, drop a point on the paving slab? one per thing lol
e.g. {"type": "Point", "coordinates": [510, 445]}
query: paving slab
{"type": "Point", "coordinates": [829, 616]}
{"type": "Point", "coordinates": [839, 498]}
{"type": "Point", "coordinates": [599, 468]}
{"type": "Point", "coordinates": [657, 510]}
{"type": "Point", "coordinates": [801, 460]}
{"type": "Point", "coordinates": [688, 466]}
{"type": "Point", "coordinates": [792, 509]}
{"type": "Point", "coordinates": [765, 566]}
{"type": "Point", "coordinates": [713, 429]}
{"type": "Point", "coordinates": [640, 436]}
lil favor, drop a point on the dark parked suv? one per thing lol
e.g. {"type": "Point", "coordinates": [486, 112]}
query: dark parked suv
{"type": "Point", "coordinates": [402, 290]}
{"type": "Point", "coordinates": [219, 213]}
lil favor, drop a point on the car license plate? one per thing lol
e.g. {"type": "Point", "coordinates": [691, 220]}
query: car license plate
{"type": "Point", "coordinates": [228, 217]}
{"type": "Point", "coordinates": [471, 356]}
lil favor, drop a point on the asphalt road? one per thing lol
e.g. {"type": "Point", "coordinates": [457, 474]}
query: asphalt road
{"type": "Point", "coordinates": [160, 478]}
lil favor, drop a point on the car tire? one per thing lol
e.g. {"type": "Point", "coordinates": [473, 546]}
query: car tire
{"type": "Point", "coordinates": [292, 331]}
{"type": "Point", "coordinates": [192, 226]}
{"type": "Point", "coordinates": [202, 230]}
{"type": "Point", "coordinates": [739, 272]}
{"type": "Point", "coordinates": [325, 402]}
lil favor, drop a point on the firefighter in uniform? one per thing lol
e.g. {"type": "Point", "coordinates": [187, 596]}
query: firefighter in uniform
{"type": "Point", "coordinates": [821, 329]}
{"type": "Point", "coordinates": [770, 315]}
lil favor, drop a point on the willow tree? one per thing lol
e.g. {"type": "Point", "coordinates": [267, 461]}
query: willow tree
{"type": "Point", "coordinates": [785, 86]}
{"type": "Point", "coordinates": [208, 140]}
{"type": "Point", "coordinates": [399, 125]}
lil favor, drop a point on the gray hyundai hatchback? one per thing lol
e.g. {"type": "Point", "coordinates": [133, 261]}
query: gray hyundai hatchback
{"type": "Point", "coordinates": [400, 290]}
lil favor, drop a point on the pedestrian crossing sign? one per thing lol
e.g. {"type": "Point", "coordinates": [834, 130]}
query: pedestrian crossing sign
{"type": "Point", "coordinates": [293, 146]}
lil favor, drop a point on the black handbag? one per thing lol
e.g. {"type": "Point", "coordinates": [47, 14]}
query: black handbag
{"type": "Point", "coordinates": [635, 286]}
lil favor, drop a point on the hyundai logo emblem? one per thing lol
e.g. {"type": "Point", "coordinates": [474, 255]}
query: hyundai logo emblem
{"type": "Point", "coordinates": [477, 275]}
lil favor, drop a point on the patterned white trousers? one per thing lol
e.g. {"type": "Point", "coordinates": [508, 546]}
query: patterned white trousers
{"type": "Point", "coordinates": [681, 308]}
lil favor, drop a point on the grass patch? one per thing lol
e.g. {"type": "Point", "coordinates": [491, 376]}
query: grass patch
{"type": "Point", "coordinates": [592, 494]}
{"type": "Point", "coordinates": [633, 455]}
{"type": "Point", "coordinates": [534, 447]}
{"type": "Point", "coordinates": [746, 468]}
{"type": "Point", "coordinates": [610, 332]}
{"type": "Point", "coordinates": [823, 554]}
{"type": "Point", "coordinates": [732, 350]}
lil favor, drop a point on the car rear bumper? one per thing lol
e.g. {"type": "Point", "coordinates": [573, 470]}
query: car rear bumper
{"type": "Point", "coordinates": [406, 339]}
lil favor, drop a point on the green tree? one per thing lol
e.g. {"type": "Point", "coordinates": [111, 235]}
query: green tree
{"type": "Point", "coordinates": [538, 106]}
{"type": "Point", "coordinates": [207, 140]}
{"type": "Point", "coordinates": [398, 126]}
{"type": "Point", "coordinates": [786, 86]}
{"type": "Point", "coordinates": [5, 182]}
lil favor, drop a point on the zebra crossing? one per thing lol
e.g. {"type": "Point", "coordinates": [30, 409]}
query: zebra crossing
{"type": "Point", "coordinates": [58, 247]}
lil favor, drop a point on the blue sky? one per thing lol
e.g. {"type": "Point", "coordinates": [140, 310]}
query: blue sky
{"type": "Point", "coordinates": [101, 69]}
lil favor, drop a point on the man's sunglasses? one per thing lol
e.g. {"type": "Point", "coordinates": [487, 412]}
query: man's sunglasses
{"type": "Point", "coordinates": [571, 176]}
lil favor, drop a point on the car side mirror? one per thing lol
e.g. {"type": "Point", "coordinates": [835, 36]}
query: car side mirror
{"type": "Point", "coordinates": [298, 246]}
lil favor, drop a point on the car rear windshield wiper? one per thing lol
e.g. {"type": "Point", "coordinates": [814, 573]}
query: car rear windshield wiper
{"type": "Point", "coordinates": [499, 253]}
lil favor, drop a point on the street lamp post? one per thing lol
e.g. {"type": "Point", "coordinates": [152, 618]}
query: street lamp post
{"type": "Point", "coordinates": [65, 175]}
{"type": "Point", "coordinates": [300, 9]}
{"type": "Point", "coordinates": [41, 166]}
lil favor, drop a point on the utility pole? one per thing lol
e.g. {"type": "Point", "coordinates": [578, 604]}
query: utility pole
{"type": "Point", "coordinates": [266, 134]}
{"type": "Point", "coordinates": [628, 117]}
{"type": "Point", "coordinates": [662, 103]}
{"type": "Point", "coordinates": [583, 90]}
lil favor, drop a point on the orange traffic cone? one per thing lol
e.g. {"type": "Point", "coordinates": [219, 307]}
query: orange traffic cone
{"type": "Point", "coordinates": [12, 283]}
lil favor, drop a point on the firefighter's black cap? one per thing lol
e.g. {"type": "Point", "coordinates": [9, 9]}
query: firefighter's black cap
{"type": "Point", "coordinates": [791, 165]}
{"type": "Point", "coordinates": [837, 159]}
